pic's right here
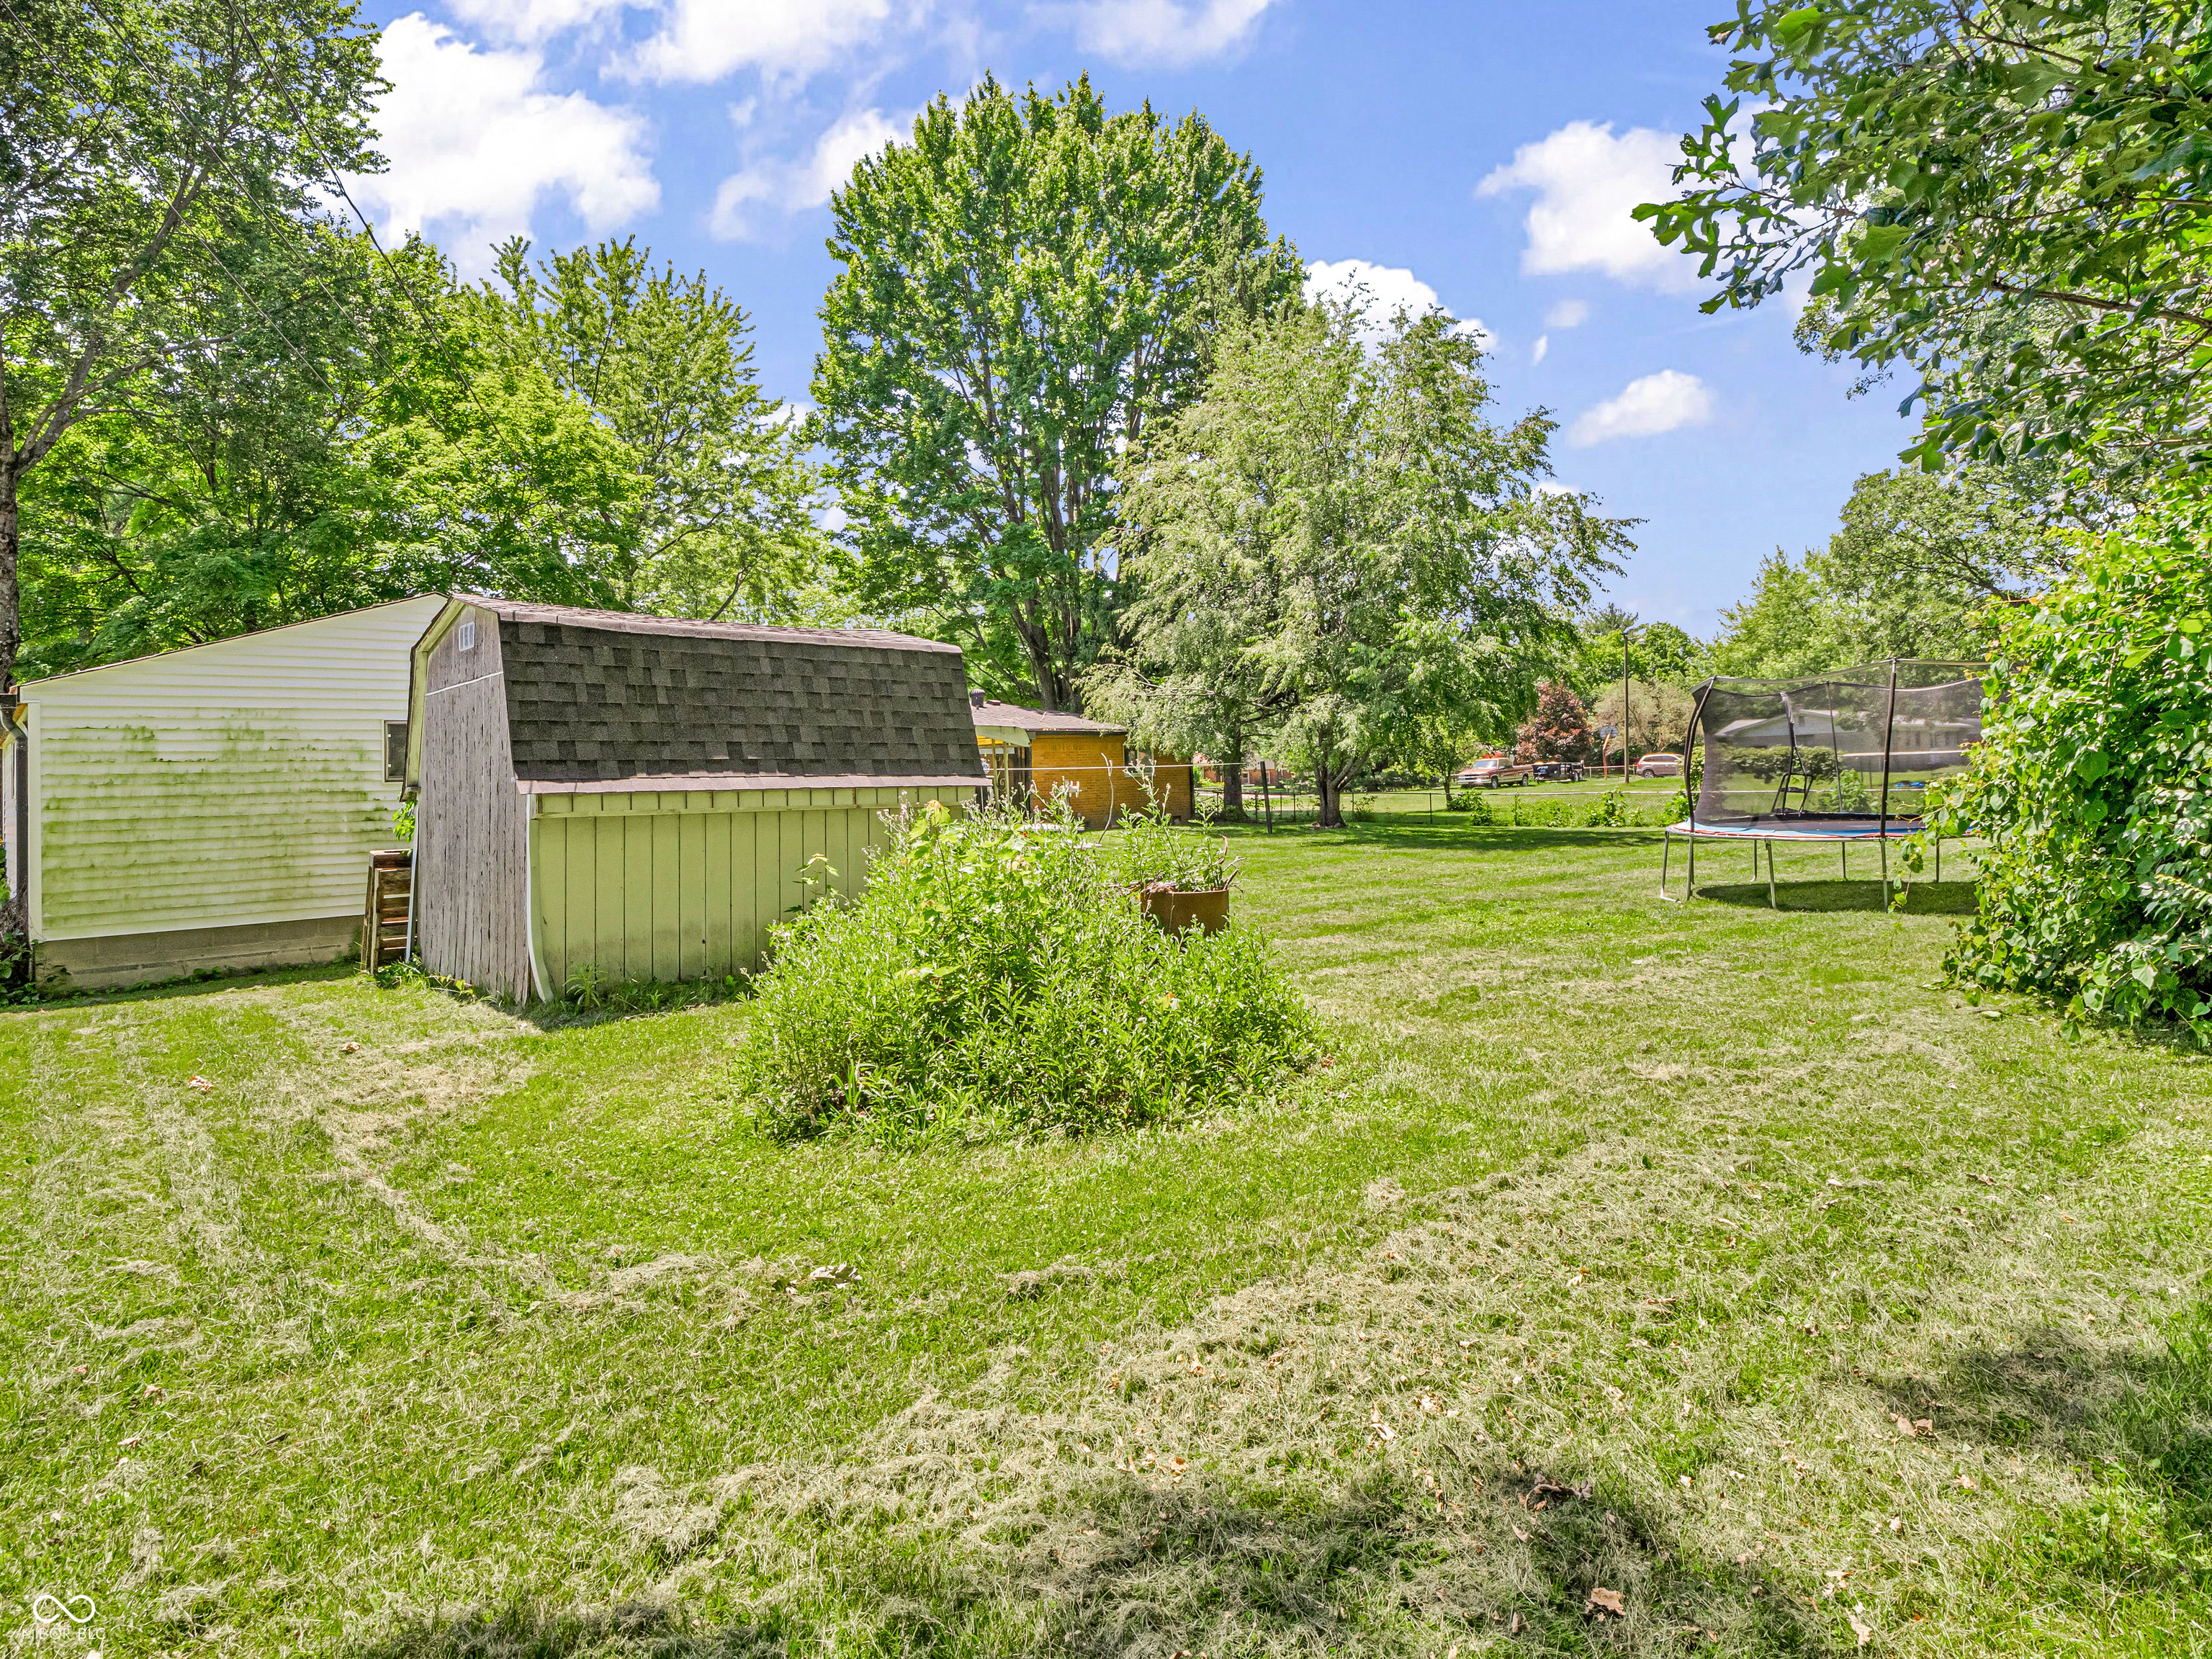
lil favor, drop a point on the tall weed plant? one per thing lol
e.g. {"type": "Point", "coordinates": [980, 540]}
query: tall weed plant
{"type": "Point", "coordinates": [997, 977]}
{"type": "Point", "coordinates": [2094, 786]}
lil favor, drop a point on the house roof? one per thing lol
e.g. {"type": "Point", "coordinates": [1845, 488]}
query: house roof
{"type": "Point", "coordinates": [630, 621]}
{"type": "Point", "coordinates": [598, 700]}
{"type": "Point", "coordinates": [990, 712]}
{"type": "Point", "coordinates": [253, 635]}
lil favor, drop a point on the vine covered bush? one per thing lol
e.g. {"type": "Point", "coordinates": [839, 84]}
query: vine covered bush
{"type": "Point", "coordinates": [2094, 787]}
{"type": "Point", "coordinates": [998, 976]}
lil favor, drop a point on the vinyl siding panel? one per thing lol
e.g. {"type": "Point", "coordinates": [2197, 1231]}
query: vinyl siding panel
{"type": "Point", "coordinates": [687, 886]}
{"type": "Point", "coordinates": [232, 784]}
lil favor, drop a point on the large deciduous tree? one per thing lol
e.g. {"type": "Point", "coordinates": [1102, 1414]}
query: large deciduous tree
{"type": "Point", "coordinates": [1026, 285]}
{"type": "Point", "coordinates": [351, 441]}
{"type": "Point", "coordinates": [1377, 552]}
{"type": "Point", "coordinates": [150, 148]}
{"type": "Point", "coordinates": [718, 518]}
{"type": "Point", "coordinates": [2011, 200]}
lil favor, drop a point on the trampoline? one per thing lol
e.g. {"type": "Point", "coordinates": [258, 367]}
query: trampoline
{"type": "Point", "coordinates": [1841, 756]}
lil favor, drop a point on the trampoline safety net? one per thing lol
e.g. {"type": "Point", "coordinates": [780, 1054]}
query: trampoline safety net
{"type": "Point", "coordinates": [1814, 753]}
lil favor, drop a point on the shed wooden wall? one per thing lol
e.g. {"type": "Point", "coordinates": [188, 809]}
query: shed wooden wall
{"type": "Point", "coordinates": [686, 884]}
{"type": "Point", "coordinates": [224, 785]}
{"type": "Point", "coordinates": [471, 824]}
{"type": "Point", "coordinates": [1093, 762]}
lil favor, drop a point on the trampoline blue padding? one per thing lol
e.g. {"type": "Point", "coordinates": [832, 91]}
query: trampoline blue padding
{"type": "Point", "coordinates": [1798, 829]}
{"type": "Point", "coordinates": [1801, 830]}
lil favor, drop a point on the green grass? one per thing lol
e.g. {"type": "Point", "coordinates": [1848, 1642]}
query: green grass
{"type": "Point", "coordinates": [493, 1337]}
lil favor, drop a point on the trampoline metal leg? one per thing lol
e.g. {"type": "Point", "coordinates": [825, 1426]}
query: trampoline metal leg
{"type": "Point", "coordinates": [1666, 856]}
{"type": "Point", "coordinates": [1689, 881]}
{"type": "Point", "coordinates": [1773, 903]}
{"type": "Point", "coordinates": [1845, 847]}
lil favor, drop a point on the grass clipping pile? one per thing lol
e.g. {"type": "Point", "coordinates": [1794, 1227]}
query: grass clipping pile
{"type": "Point", "coordinates": [999, 976]}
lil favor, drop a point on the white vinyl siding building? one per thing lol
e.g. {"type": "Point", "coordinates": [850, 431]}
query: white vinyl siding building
{"type": "Point", "coordinates": [215, 806]}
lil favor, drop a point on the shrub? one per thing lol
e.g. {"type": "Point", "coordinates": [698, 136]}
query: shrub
{"type": "Point", "coordinates": [997, 975]}
{"type": "Point", "coordinates": [2090, 786]}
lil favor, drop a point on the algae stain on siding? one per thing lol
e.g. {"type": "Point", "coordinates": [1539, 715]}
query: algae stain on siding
{"type": "Point", "coordinates": [205, 819]}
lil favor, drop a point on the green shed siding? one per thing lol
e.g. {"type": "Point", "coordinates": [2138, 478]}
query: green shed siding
{"type": "Point", "coordinates": [686, 884]}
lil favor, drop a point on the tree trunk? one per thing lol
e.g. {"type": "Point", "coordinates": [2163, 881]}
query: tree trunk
{"type": "Point", "coordinates": [11, 608]}
{"type": "Point", "coordinates": [1329, 793]}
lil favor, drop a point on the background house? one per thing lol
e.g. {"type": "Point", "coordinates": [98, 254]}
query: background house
{"type": "Point", "coordinates": [640, 797]}
{"type": "Point", "coordinates": [1045, 751]}
{"type": "Point", "coordinates": [211, 807]}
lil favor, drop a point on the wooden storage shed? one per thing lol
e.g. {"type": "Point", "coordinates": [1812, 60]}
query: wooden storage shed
{"type": "Point", "coordinates": [1039, 752]}
{"type": "Point", "coordinates": [210, 807]}
{"type": "Point", "coordinates": [640, 797]}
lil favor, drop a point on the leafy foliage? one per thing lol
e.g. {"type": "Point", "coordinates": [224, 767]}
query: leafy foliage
{"type": "Point", "coordinates": [1026, 285]}
{"type": "Point", "coordinates": [155, 149]}
{"type": "Point", "coordinates": [352, 442]}
{"type": "Point", "coordinates": [995, 976]}
{"type": "Point", "coordinates": [1370, 550]}
{"type": "Point", "coordinates": [1559, 730]}
{"type": "Point", "coordinates": [2008, 196]}
{"type": "Point", "coordinates": [1658, 717]}
{"type": "Point", "coordinates": [716, 519]}
{"type": "Point", "coordinates": [2093, 786]}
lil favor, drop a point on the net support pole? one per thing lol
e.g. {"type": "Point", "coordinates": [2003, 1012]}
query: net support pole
{"type": "Point", "coordinates": [1888, 736]}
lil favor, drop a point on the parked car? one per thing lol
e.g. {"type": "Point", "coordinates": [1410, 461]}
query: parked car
{"type": "Point", "coordinates": [1495, 772]}
{"type": "Point", "coordinates": [1558, 772]}
{"type": "Point", "coordinates": [1659, 766]}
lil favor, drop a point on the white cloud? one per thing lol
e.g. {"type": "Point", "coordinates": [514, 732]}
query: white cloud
{"type": "Point", "coordinates": [1169, 32]}
{"type": "Point", "coordinates": [789, 187]}
{"type": "Point", "coordinates": [706, 39]}
{"type": "Point", "coordinates": [1568, 314]}
{"type": "Point", "coordinates": [1645, 408]}
{"type": "Point", "coordinates": [1536, 352]}
{"type": "Point", "coordinates": [474, 140]}
{"type": "Point", "coordinates": [1587, 182]}
{"type": "Point", "coordinates": [1389, 290]}
{"type": "Point", "coordinates": [530, 21]}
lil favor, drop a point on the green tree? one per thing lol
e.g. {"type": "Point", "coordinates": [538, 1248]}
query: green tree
{"type": "Point", "coordinates": [1381, 548]}
{"type": "Point", "coordinates": [1190, 682]}
{"type": "Point", "coordinates": [2012, 200]}
{"type": "Point", "coordinates": [1921, 561]}
{"type": "Point", "coordinates": [2089, 791]}
{"type": "Point", "coordinates": [719, 515]}
{"type": "Point", "coordinates": [1024, 287]}
{"type": "Point", "coordinates": [1658, 717]}
{"type": "Point", "coordinates": [153, 148]}
{"type": "Point", "coordinates": [1786, 625]}
{"type": "Point", "coordinates": [352, 442]}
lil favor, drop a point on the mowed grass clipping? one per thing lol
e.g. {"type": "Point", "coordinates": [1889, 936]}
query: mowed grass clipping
{"type": "Point", "coordinates": [1709, 1256]}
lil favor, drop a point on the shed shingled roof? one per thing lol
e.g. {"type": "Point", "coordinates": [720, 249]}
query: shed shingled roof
{"type": "Point", "coordinates": [598, 698]}
{"type": "Point", "coordinates": [991, 712]}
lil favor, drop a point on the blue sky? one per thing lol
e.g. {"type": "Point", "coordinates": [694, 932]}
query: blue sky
{"type": "Point", "coordinates": [1484, 152]}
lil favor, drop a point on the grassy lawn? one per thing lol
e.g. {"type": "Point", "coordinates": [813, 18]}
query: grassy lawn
{"type": "Point", "coordinates": [1705, 1254]}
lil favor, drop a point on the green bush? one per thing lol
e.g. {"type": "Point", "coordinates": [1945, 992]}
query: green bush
{"type": "Point", "coordinates": [998, 976]}
{"type": "Point", "coordinates": [2091, 786]}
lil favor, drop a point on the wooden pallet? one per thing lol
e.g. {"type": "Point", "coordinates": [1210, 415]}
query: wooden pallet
{"type": "Point", "coordinates": [383, 917]}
